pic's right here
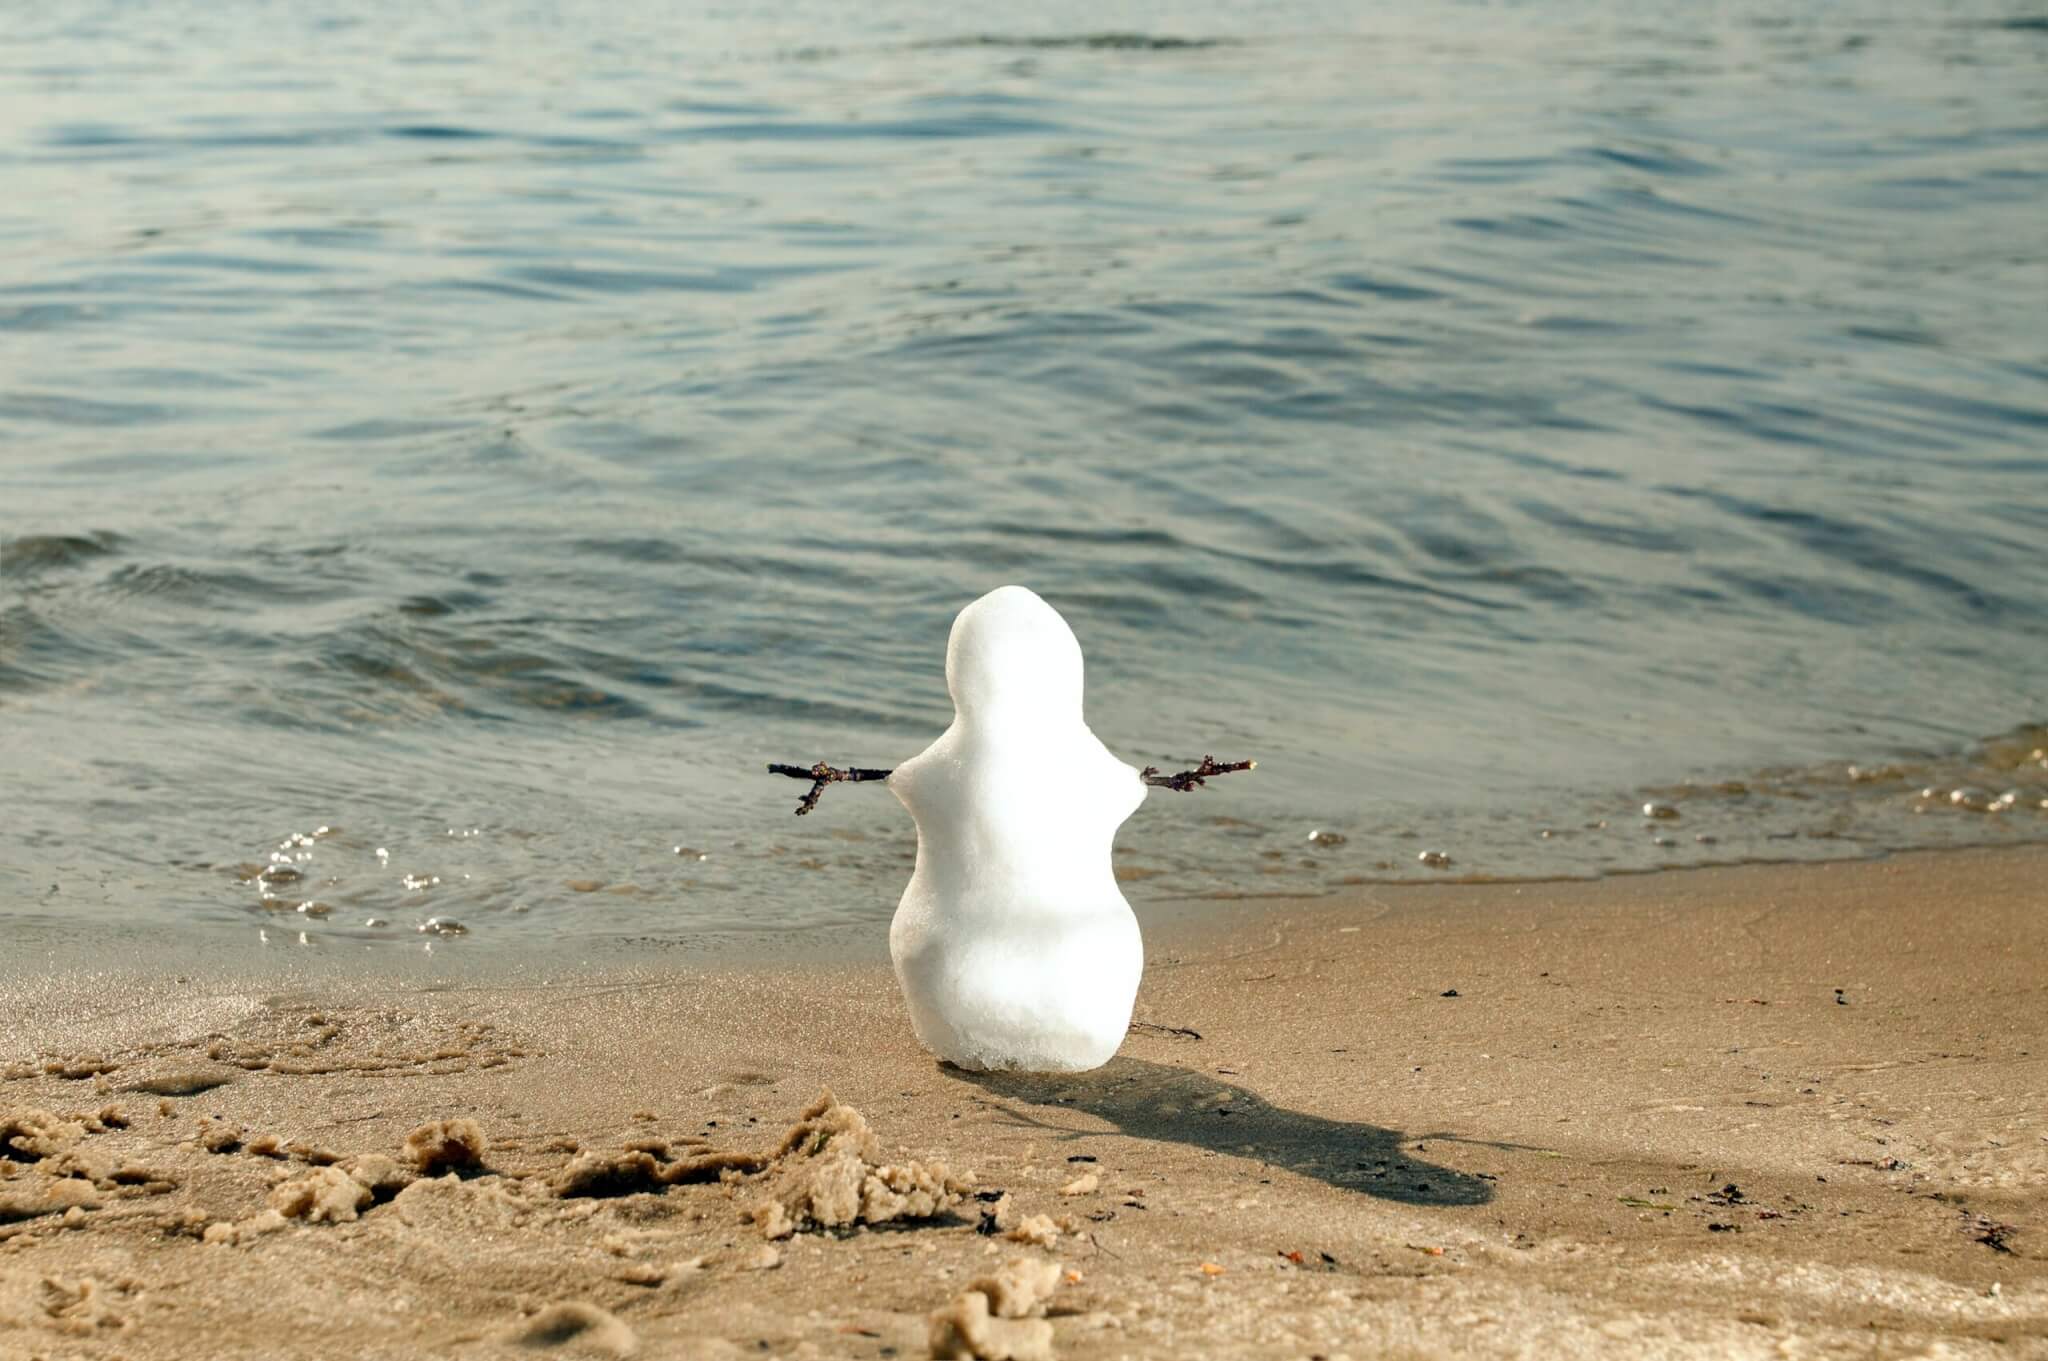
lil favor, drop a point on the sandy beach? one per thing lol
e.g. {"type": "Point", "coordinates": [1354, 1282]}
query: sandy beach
{"type": "Point", "coordinates": [1763, 1111]}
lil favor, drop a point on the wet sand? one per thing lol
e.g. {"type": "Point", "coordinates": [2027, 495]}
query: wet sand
{"type": "Point", "coordinates": [1770, 1111]}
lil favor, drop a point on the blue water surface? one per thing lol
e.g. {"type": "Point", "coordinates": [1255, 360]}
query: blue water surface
{"type": "Point", "coordinates": [493, 432]}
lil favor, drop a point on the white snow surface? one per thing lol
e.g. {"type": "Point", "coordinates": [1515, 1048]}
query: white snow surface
{"type": "Point", "coordinates": [1013, 945]}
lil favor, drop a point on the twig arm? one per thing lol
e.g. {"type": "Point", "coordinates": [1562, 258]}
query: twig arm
{"type": "Point", "coordinates": [1194, 779]}
{"type": "Point", "coordinates": [821, 775]}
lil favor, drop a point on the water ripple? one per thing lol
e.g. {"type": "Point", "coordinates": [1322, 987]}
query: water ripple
{"type": "Point", "coordinates": [499, 452]}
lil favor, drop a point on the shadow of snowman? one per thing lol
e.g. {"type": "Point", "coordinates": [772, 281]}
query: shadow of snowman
{"type": "Point", "coordinates": [1177, 1105]}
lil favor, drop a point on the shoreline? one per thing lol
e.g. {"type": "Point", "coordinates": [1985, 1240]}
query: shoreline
{"type": "Point", "coordinates": [1589, 1117]}
{"type": "Point", "coordinates": [269, 949]}
{"type": "Point", "coordinates": [819, 885]}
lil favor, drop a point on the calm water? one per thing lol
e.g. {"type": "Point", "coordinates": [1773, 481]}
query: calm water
{"type": "Point", "coordinates": [493, 432]}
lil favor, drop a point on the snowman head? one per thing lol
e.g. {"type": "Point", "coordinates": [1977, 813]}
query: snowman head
{"type": "Point", "coordinates": [1012, 658]}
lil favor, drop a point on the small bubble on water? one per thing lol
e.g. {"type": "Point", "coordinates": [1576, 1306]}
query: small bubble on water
{"type": "Point", "coordinates": [1663, 841]}
{"type": "Point", "coordinates": [375, 922]}
{"type": "Point", "coordinates": [1974, 799]}
{"type": "Point", "coordinates": [692, 853]}
{"type": "Point", "coordinates": [1319, 837]}
{"type": "Point", "coordinates": [312, 908]}
{"type": "Point", "coordinates": [280, 874]}
{"type": "Point", "coordinates": [1436, 860]}
{"type": "Point", "coordinates": [442, 926]}
{"type": "Point", "coordinates": [1663, 812]}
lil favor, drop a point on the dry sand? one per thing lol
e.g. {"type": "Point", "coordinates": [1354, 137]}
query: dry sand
{"type": "Point", "coordinates": [1748, 1112]}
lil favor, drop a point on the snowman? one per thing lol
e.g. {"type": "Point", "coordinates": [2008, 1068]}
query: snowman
{"type": "Point", "coordinates": [1013, 945]}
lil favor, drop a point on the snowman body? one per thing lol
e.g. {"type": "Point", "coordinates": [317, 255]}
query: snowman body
{"type": "Point", "coordinates": [1012, 943]}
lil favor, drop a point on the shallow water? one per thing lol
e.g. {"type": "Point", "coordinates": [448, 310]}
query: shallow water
{"type": "Point", "coordinates": [494, 437]}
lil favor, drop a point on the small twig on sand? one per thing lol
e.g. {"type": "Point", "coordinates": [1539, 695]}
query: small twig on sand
{"type": "Point", "coordinates": [821, 775]}
{"type": "Point", "coordinates": [1992, 1234]}
{"type": "Point", "coordinates": [1193, 779]}
{"type": "Point", "coordinates": [1152, 1028]}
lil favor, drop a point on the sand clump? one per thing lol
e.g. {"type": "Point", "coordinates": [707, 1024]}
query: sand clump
{"type": "Point", "coordinates": [329, 1192]}
{"type": "Point", "coordinates": [57, 1197]}
{"type": "Point", "coordinates": [1000, 1216]}
{"type": "Point", "coordinates": [227, 1233]}
{"type": "Point", "coordinates": [44, 1172]}
{"type": "Point", "coordinates": [593, 1173]}
{"type": "Point", "coordinates": [383, 1175]}
{"type": "Point", "coordinates": [828, 1173]}
{"type": "Point", "coordinates": [317, 1154]}
{"type": "Point", "coordinates": [1000, 1316]}
{"type": "Point", "coordinates": [323, 1195]}
{"type": "Point", "coordinates": [578, 1325]}
{"type": "Point", "coordinates": [638, 1168]}
{"type": "Point", "coordinates": [1041, 1231]}
{"type": "Point", "coordinates": [29, 1135]}
{"type": "Point", "coordinates": [220, 1136]}
{"type": "Point", "coordinates": [767, 1257]}
{"type": "Point", "coordinates": [182, 1082]}
{"type": "Point", "coordinates": [450, 1206]}
{"type": "Point", "coordinates": [446, 1145]}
